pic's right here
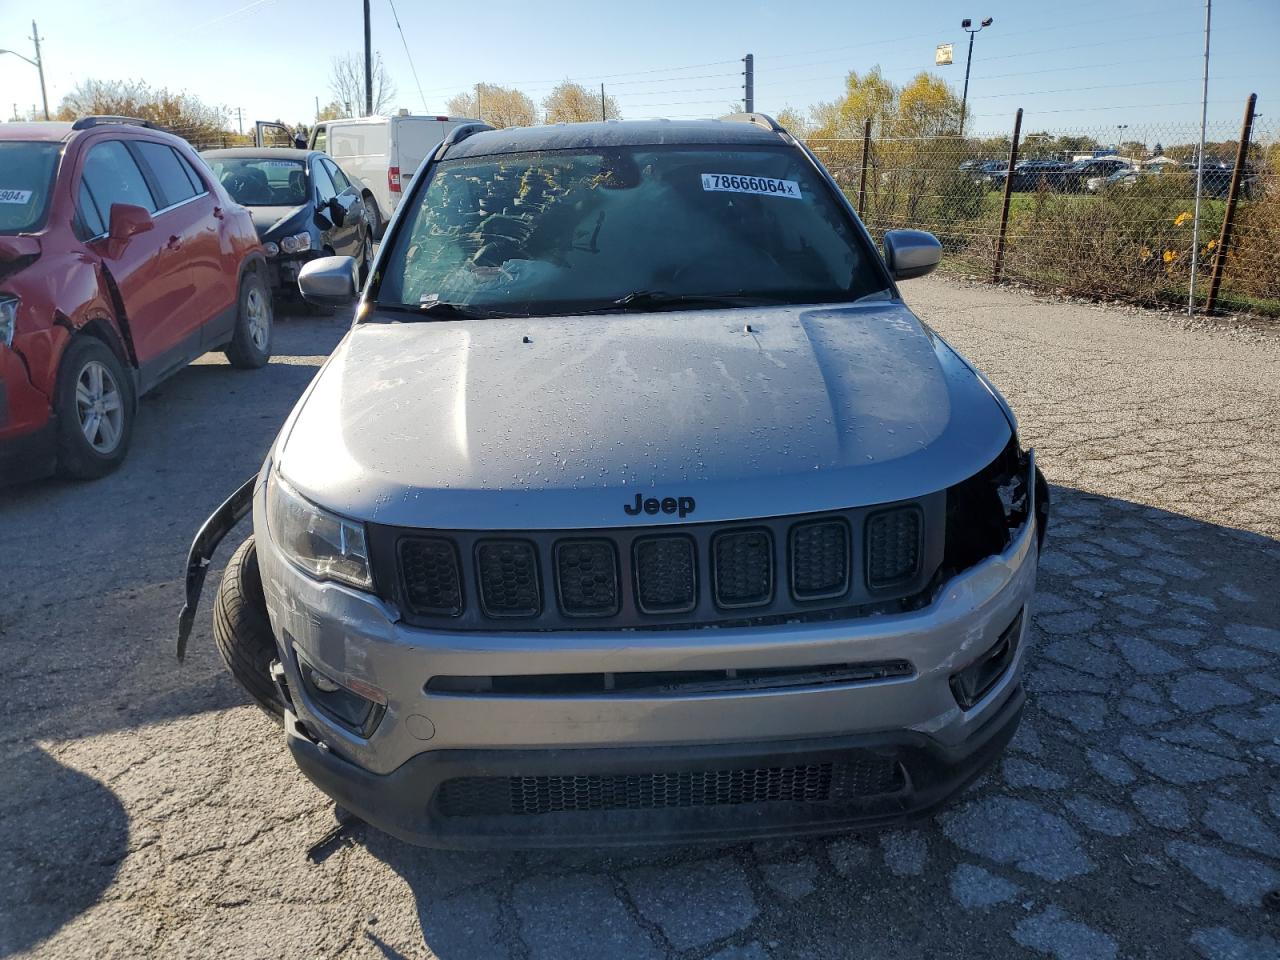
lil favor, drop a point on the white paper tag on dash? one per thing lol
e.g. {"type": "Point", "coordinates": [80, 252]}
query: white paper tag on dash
{"type": "Point", "coordinates": [764, 186]}
{"type": "Point", "coordinates": [15, 196]}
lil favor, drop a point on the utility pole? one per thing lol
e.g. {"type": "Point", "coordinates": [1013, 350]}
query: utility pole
{"type": "Point", "coordinates": [967, 26]}
{"type": "Point", "coordinates": [240, 120]}
{"type": "Point", "coordinates": [35, 38]}
{"type": "Point", "coordinates": [602, 116]}
{"type": "Point", "coordinates": [749, 84]}
{"type": "Point", "coordinates": [317, 108]}
{"type": "Point", "coordinates": [368, 65]}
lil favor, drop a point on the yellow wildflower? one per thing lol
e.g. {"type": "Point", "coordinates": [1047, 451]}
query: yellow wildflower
{"type": "Point", "coordinates": [1181, 218]}
{"type": "Point", "coordinates": [1145, 253]}
{"type": "Point", "coordinates": [1170, 256]}
{"type": "Point", "coordinates": [1212, 244]}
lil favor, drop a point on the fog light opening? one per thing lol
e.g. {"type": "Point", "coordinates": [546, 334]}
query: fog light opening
{"type": "Point", "coordinates": [357, 707]}
{"type": "Point", "coordinates": [976, 680]}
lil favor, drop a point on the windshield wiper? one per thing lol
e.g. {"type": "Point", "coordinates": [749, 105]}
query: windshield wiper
{"type": "Point", "coordinates": [452, 311]}
{"type": "Point", "coordinates": [661, 300]}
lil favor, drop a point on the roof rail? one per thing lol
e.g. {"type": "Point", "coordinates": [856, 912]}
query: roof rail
{"type": "Point", "coordinates": [84, 123]}
{"type": "Point", "coordinates": [462, 131]}
{"type": "Point", "coordinates": [759, 119]}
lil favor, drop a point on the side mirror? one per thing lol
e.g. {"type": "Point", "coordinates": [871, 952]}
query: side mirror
{"type": "Point", "coordinates": [911, 253]}
{"type": "Point", "coordinates": [336, 212]}
{"type": "Point", "coordinates": [328, 281]}
{"type": "Point", "coordinates": [128, 220]}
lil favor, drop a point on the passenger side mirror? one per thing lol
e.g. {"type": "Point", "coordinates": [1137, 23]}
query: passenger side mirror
{"type": "Point", "coordinates": [328, 281]}
{"type": "Point", "coordinates": [128, 220]}
{"type": "Point", "coordinates": [336, 212]}
{"type": "Point", "coordinates": [911, 253]}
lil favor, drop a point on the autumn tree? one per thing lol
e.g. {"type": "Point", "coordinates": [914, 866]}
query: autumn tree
{"type": "Point", "coordinates": [333, 110]}
{"type": "Point", "coordinates": [867, 95]}
{"type": "Point", "coordinates": [183, 114]}
{"type": "Point", "coordinates": [496, 105]}
{"type": "Point", "coordinates": [346, 83]}
{"type": "Point", "coordinates": [797, 123]}
{"type": "Point", "coordinates": [572, 103]}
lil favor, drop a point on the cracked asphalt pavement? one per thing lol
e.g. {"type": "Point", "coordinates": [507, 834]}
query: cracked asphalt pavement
{"type": "Point", "coordinates": [147, 810]}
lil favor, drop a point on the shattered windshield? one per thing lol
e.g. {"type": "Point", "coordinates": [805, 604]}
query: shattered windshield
{"type": "Point", "coordinates": [599, 229]}
{"type": "Point", "coordinates": [26, 180]}
{"type": "Point", "coordinates": [262, 182]}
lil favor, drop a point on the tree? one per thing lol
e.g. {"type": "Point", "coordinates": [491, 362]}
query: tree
{"type": "Point", "coordinates": [796, 123]}
{"type": "Point", "coordinates": [181, 113]}
{"type": "Point", "coordinates": [869, 95]}
{"type": "Point", "coordinates": [333, 110]}
{"type": "Point", "coordinates": [346, 83]}
{"type": "Point", "coordinates": [927, 108]}
{"type": "Point", "coordinates": [495, 105]}
{"type": "Point", "coordinates": [572, 103]}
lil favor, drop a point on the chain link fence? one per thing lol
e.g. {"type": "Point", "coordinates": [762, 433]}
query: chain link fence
{"type": "Point", "coordinates": [1105, 212]}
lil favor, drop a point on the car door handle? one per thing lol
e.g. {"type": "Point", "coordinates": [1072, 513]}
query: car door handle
{"type": "Point", "coordinates": [217, 212]}
{"type": "Point", "coordinates": [174, 243]}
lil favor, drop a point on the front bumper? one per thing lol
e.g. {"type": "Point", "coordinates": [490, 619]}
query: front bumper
{"type": "Point", "coordinates": [406, 803]}
{"type": "Point", "coordinates": [283, 270]}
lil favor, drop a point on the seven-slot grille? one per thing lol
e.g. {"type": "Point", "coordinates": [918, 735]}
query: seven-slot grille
{"type": "Point", "coordinates": [695, 573]}
{"type": "Point", "coordinates": [856, 776]}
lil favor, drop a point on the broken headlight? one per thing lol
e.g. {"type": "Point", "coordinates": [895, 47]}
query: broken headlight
{"type": "Point", "coordinates": [323, 544]}
{"type": "Point", "coordinates": [297, 243]}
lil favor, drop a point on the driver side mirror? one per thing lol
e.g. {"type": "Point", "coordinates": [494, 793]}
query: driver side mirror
{"type": "Point", "coordinates": [334, 211]}
{"type": "Point", "coordinates": [328, 281]}
{"type": "Point", "coordinates": [128, 220]}
{"type": "Point", "coordinates": [911, 253]}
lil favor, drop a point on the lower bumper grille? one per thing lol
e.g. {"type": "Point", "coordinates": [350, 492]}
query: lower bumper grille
{"type": "Point", "coordinates": [860, 776]}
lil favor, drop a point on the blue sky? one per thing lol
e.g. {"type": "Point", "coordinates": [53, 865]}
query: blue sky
{"type": "Point", "coordinates": [1090, 64]}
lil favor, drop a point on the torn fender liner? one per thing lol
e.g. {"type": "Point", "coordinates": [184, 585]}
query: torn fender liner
{"type": "Point", "coordinates": [215, 528]}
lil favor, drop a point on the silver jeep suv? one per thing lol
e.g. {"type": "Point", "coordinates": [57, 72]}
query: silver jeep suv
{"type": "Point", "coordinates": [636, 505]}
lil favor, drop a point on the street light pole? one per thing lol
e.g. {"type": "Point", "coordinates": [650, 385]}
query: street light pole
{"type": "Point", "coordinates": [38, 64]}
{"type": "Point", "coordinates": [967, 26]}
{"type": "Point", "coordinates": [1120, 129]}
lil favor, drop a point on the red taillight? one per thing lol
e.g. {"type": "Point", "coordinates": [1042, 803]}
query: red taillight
{"type": "Point", "coordinates": [393, 179]}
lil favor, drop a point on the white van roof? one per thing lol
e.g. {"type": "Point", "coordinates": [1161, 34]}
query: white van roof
{"type": "Point", "coordinates": [403, 116]}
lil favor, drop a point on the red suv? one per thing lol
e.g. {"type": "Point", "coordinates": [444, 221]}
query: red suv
{"type": "Point", "coordinates": [121, 260]}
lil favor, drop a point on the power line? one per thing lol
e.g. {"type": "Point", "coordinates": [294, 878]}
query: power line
{"type": "Point", "coordinates": [396, 17]}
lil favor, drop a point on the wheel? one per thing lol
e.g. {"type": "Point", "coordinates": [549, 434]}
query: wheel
{"type": "Point", "coordinates": [366, 257]}
{"type": "Point", "coordinates": [374, 216]}
{"type": "Point", "coordinates": [242, 631]}
{"type": "Point", "coordinates": [95, 410]}
{"type": "Point", "coordinates": [250, 346]}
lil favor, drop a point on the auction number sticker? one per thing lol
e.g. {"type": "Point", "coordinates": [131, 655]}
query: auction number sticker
{"type": "Point", "coordinates": [15, 196]}
{"type": "Point", "coordinates": [764, 186]}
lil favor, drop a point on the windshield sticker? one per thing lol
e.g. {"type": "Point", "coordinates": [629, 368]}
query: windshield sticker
{"type": "Point", "coordinates": [765, 186]}
{"type": "Point", "coordinates": [15, 196]}
{"type": "Point", "coordinates": [293, 164]}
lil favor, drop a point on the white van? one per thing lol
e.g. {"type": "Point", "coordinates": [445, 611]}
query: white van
{"type": "Point", "coordinates": [382, 153]}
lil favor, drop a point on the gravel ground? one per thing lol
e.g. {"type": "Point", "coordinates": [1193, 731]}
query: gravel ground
{"type": "Point", "coordinates": [147, 810]}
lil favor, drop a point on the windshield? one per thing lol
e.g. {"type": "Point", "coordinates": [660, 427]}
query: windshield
{"type": "Point", "coordinates": [569, 231]}
{"type": "Point", "coordinates": [26, 180]}
{"type": "Point", "coordinates": [260, 182]}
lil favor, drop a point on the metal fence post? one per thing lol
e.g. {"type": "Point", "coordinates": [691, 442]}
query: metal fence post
{"type": "Point", "coordinates": [1224, 239]}
{"type": "Point", "coordinates": [866, 153]}
{"type": "Point", "coordinates": [1008, 190]}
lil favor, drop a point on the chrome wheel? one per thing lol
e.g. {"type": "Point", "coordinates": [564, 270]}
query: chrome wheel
{"type": "Point", "coordinates": [99, 407]}
{"type": "Point", "coordinates": [258, 316]}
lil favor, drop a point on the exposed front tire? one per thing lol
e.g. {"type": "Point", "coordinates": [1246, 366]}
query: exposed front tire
{"type": "Point", "coordinates": [242, 631]}
{"type": "Point", "coordinates": [95, 405]}
{"type": "Point", "coordinates": [374, 216]}
{"type": "Point", "coordinates": [250, 346]}
{"type": "Point", "coordinates": [366, 257]}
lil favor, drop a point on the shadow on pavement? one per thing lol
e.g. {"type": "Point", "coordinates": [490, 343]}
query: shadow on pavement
{"type": "Point", "coordinates": [64, 837]}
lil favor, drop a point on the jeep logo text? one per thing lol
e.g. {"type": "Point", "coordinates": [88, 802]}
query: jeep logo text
{"type": "Point", "coordinates": [682, 505]}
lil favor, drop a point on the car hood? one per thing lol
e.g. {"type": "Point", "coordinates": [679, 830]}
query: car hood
{"type": "Point", "coordinates": [269, 220]}
{"type": "Point", "coordinates": [558, 422]}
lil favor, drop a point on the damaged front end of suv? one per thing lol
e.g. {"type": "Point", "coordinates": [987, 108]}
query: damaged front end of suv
{"type": "Point", "coordinates": [579, 541]}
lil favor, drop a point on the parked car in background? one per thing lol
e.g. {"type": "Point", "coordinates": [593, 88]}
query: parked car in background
{"type": "Point", "coordinates": [121, 260]}
{"type": "Point", "coordinates": [1031, 175]}
{"type": "Point", "coordinates": [1077, 176]}
{"type": "Point", "coordinates": [303, 205]}
{"type": "Point", "coordinates": [382, 154]}
{"type": "Point", "coordinates": [635, 506]}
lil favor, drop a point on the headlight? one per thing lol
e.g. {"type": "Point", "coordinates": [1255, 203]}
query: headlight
{"type": "Point", "coordinates": [270, 248]}
{"type": "Point", "coordinates": [8, 318]}
{"type": "Point", "coordinates": [297, 243]}
{"type": "Point", "coordinates": [325, 545]}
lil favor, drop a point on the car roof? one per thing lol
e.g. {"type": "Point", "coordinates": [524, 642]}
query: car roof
{"type": "Point", "coordinates": [41, 130]}
{"type": "Point", "coordinates": [260, 153]}
{"type": "Point", "coordinates": [616, 133]}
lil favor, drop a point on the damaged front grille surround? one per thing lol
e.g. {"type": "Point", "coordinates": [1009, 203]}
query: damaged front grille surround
{"type": "Point", "coordinates": [837, 565]}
